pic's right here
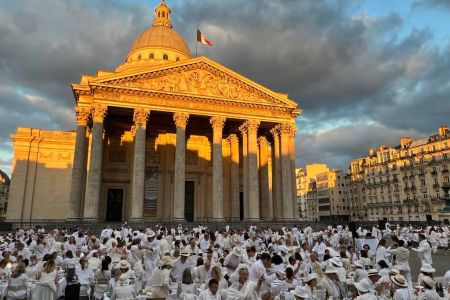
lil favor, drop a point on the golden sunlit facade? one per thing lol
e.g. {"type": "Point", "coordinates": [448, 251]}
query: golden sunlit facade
{"type": "Point", "coordinates": [406, 183]}
{"type": "Point", "coordinates": [166, 136]}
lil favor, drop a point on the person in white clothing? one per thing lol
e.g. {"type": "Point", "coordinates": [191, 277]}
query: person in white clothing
{"type": "Point", "coordinates": [424, 250]}
{"type": "Point", "coordinates": [363, 289]}
{"type": "Point", "coordinates": [123, 290]}
{"type": "Point", "coordinates": [212, 292]}
{"type": "Point", "coordinates": [400, 288]}
{"type": "Point", "coordinates": [429, 292]}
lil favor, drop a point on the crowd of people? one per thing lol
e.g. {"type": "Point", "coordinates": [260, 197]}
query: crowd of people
{"type": "Point", "coordinates": [245, 264]}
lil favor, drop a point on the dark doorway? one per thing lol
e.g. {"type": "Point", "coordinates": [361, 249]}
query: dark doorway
{"type": "Point", "coordinates": [114, 205]}
{"type": "Point", "coordinates": [241, 206]}
{"type": "Point", "coordinates": [429, 218]}
{"type": "Point", "coordinates": [189, 199]}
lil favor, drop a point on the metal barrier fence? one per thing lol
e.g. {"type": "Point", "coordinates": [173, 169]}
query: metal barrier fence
{"type": "Point", "coordinates": [96, 227]}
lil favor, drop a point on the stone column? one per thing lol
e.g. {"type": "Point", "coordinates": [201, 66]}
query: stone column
{"type": "Point", "coordinates": [276, 171]}
{"type": "Point", "coordinates": [293, 131]}
{"type": "Point", "coordinates": [234, 176]}
{"type": "Point", "coordinates": [243, 130]}
{"type": "Point", "coordinates": [217, 124]}
{"type": "Point", "coordinates": [285, 131]}
{"type": "Point", "coordinates": [79, 161]}
{"type": "Point", "coordinates": [266, 205]}
{"type": "Point", "coordinates": [180, 120]}
{"type": "Point", "coordinates": [253, 186]}
{"type": "Point", "coordinates": [140, 118]}
{"type": "Point", "coordinates": [94, 176]}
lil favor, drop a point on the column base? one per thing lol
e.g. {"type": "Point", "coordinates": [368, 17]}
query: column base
{"type": "Point", "coordinates": [89, 220]}
{"type": "Point", "coordinates": [180, 220]}
{"type": "Point", "coordinates": [135, 219]}
{"type": "Point", "coordinates": [73, 220]}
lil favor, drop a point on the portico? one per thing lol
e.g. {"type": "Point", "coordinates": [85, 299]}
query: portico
{"type": "Point", "coordinates": [168, 136]}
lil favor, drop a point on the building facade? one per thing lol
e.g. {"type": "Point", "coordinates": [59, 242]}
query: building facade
{"type": "Point", "coordinates": [166, 136]}
{"type": "Point", "coordinates": [326, 193]}
{"type": "Point", "coordinates": [409, 182]}
{"type": "Point", "coordinates": [4, 192]}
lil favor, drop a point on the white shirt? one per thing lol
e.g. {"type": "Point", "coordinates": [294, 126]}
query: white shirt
{"type": "Point", "coordinates": [403, 294]}
{"type": "Point", "coordinates": [207, 295]}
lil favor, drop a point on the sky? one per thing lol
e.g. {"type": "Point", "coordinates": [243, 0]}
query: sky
{"type": "Point", "coordinates": [364, 72]}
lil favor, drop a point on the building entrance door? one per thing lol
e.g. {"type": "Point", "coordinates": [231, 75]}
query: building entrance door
{"type": "Point", "coordinates": [114, 205]}
{"type": "Point", "coordinates": [189, 199]}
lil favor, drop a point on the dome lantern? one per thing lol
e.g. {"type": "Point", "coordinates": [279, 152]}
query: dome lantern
{"type": "Point", "coordinates": [162, 15]}
{"type": "Point", "coordinates": [159, 44]}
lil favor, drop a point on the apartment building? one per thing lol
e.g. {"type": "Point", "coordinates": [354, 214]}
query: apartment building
{"type": "Point", "coordinates": [325, 193]}
{"type": "Point", "coordinates": [409, 182]}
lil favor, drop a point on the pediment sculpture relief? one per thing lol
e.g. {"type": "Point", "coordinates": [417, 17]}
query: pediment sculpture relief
{"type": "Point", "coordinates": [201, 83]}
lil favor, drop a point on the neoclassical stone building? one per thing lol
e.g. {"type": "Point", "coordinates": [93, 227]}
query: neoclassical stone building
{"type": "Point", "coordinates": [166, 136]}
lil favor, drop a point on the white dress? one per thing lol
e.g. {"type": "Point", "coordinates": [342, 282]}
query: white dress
{"type": "Point", "coordinates": [17, 287]}
{"type": "Point", "coordinates": [46, 287]}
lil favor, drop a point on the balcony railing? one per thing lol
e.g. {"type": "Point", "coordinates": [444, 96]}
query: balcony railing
{"type": "Point", "coordinates": [445, 171]}
{"type": "Point", "coordinates": [433, 173]}
{"type": "Point", "coordinates": [436, 185]}
{"type": "Point", "coordinates": [412, 177]}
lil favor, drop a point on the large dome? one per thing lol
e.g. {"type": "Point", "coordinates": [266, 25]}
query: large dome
{"type": "Point", "coordinates": [158, 44]}
{"type": "Point", "coordinates": [161, 36]}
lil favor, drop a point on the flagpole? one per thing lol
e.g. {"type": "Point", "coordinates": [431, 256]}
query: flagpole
{"type": "Point", "coordinates": [196, 41]}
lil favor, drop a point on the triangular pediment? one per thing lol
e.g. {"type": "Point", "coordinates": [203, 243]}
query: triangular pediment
{"type": "Point", "coordinates": [200, 77]}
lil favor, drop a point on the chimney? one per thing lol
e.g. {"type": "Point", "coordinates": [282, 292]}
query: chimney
{"type": "Point", "coordinates": [443, 130]}
{"type": "Point", "coordinates": [405, 141]}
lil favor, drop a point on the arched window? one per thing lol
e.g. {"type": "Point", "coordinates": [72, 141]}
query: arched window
{"type": "Point", "coordinates": [163, 14]}
{"type": "Point", "coordinates": [165, 57]}
{"type": "Point", "coordinates": [178, 58]}
{"type": "Point", "coordinates": [151, 56]}
{"type": "Point", "coordinates": [139, 57]}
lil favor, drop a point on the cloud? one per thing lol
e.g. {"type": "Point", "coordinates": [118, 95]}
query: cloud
{"type": "Point", "coordinates": [361, 79]}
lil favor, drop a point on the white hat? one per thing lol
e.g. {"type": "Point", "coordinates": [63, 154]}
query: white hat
{"type": "Point", "coordinates": [123, 278]}
{"type": "Point", "coordinates": [150, 233]}
{"type": "Point", "coordinates": [123, 264]}
{"type": "Point", "coordinates": [363, 285]}
{"type": "Point", "coordinates": [336, 261]}
{"type": "Point", "coordinates": [310, 277]}
{"type": "Point", "coordinates": [300, 292]}
{"type": "Point", "coordinates": [394, 272]}
{"type": "Point", "coordinates": [237, 251]}
{"type": "Point", "coordinates": [358, 263]}
{"type": "Point", "coordinates": [166, 261]}
{"type": "Point", "coordinates": [427, 268]}
{"type": "Point", "coordinates": [399, 280]}
{"type": "Point", "coordinates": [185, 252]}
{"type": "Point", "coordinates": [372, 272]}
{"type": "Point", "coordinates": [331, 270]}
{"type": "Point", "coordinates": [428, 281]}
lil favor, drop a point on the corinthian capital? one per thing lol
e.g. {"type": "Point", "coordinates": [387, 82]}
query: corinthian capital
{"type": "Point", "coordinates": [232, 138]}
{"type": "Point", "coordinates": [180, 119]}
{"type": "Point", "coordinates": [275, 131]}
{"type": "Point", "coordinates": [288, 129]}
{"type": "Point", "coordinates": [262, 140]}
{"type": "Point", "coordinates": [82, 115]}
{"type": "Point", "coordinates": [141, 115]}
{"type": "Point", "coordinates": [217, 122]}
{"type": "Point", "coordinates": [99, 112]}
{"type": "Point", "coordinates": [252, 126]}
